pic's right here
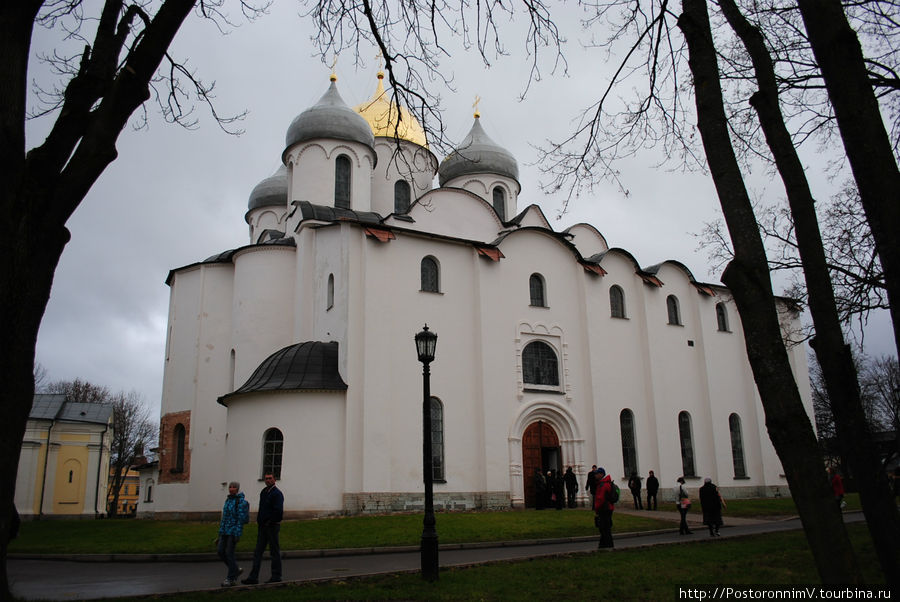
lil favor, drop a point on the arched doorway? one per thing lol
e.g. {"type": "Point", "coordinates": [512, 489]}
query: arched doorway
{"type": "Point", "coordinates": [540, 451]}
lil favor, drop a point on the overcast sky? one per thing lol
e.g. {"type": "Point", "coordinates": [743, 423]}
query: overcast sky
{"type": "Point", "coordinates": [174, 197]}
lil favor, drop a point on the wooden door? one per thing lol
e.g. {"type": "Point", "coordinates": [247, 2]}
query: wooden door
{"type": "Point", "coordinates": [539, 443]}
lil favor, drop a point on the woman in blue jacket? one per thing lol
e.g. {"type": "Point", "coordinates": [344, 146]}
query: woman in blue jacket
{"type": "Point", "coordinates": [235, 514]}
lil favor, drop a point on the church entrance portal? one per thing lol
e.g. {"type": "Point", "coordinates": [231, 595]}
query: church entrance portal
{"type": "Point", "coordinates": [540, 450]}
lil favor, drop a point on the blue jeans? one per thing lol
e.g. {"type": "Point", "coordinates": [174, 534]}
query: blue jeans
{"type": "Point", "coordinates": [226, 553]}
{"type": "Point", "coordinates": [267, 536]}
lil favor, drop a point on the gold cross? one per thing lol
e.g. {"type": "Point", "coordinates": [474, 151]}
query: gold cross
{"type": "Point", "coordinates": [475, 105]}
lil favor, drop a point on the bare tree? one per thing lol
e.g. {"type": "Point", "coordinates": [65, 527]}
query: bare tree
{"type": "Point", "coordinates": [124, 63]}
{"type": "Point", "coordinates": [654, 56]}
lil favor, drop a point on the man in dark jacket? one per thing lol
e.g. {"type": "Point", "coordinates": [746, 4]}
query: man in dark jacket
{"type": "Point", "coordinates": [652, 488]}
{"type": "Point", "coordinates": [571, 486]}
{"type": "Point", "coordinates": [604, 509]}
{"type": "Point", "coordinates": [591, 483]}
{"type": "Point", "coordinates": [271, 510]}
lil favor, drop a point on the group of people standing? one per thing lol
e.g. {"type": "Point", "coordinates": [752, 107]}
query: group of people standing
{"type": "Point", "coordinates": [635, 486]}
{"type": "Point", "coordinates": [554, 490]}
{"type": "Point", "coordinates": [236, 514]}
{"type": "Point", "coordinates": [604, 494]}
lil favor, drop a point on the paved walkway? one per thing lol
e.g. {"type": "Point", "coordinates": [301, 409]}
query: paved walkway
{"type": "Point", "coordinates": [41, 578]}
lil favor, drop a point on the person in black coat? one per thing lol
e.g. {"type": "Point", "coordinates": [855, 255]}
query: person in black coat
{"type": "Point", "coordinates": [571, 486]}
{"type": "Point", "coordinates": [711, 503]}
{"type": "Point", "coordinates": [652, 488]}
{"type": "Point", "coordinates": [634, 485]}
{"type": "Point", "coordinates": [268, 518]}
{"type": "Point", "coordinates": [591, 484]}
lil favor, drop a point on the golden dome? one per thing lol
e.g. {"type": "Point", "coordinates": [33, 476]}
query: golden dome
{"type": "Point", "coordinates": [381, 114]}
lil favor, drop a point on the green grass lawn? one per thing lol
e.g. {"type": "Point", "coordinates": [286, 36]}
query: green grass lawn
{"type": "Point", "coordinates": [160, 537]}
{"type": "Point", "coordinates": [653, 573]}
{"type": "Point", "coordinates": [123, 536]}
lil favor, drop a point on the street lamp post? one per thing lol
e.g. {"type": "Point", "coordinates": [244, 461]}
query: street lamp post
{"type": "Point", "coordinates": [426, 341]}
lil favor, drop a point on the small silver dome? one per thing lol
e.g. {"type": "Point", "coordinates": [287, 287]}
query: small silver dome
{"type": "Point", "coordinates": [271, 192]}
{"type": "Point", "coordinates": [330, 118]}
{"type": "Point", "coordinates": [478, 154]}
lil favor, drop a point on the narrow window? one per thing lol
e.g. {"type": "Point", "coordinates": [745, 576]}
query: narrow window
{"type": "Point", "coordinates": [437, 439]}
{"type": "Point", "coordinates": [687, 444]}
{"type": "Point", "coordinates": [149, 497]}
{"type": "Point", "coordinates": [539, 364]}
{"type": "Point", "coordinates": [617, 303]}
{"type": "Point", "coordinates": [500, 202]}
{"type": "Point", "coordinates": [273, 444]}
{"type": "Point", "coordinates": [722, 317]}
{"type": "Point", "coordinates": [342, 182]}
{"type": "Point", "coordinates": [737, 446]}
{"type": "Point", "coordinates": [231, 367]}
{"type": "Point", "coordinates": [629, 442]}
{"type": "Point", "coordinates": [179, 447]}
{"type": "Point", "coordinates": [401, 196]}
{"type": "Point", "coordinates": [536, 288]}
{"type": "Point", "coordinates": [672, 308]}
{"type": "Point", "coordinates": [329, 295]}
{"type": "Point", "coordinates": [430, 282]}
{"type": "Point", "coordinates": [71, 474]}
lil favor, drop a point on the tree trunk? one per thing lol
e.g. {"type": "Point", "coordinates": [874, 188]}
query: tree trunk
{"type": "Point", "coordinates": [832, 352]}
{"type": "Point", "coordinates": [38, 194]}
{"type": "Point", "coordinates": [747, 276]}
{"type": "Point", "coordinates": [866, 141]}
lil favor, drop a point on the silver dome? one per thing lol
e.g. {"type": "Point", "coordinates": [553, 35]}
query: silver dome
{"type": "Point", "coordinates": [330, 118]}
{"type": "Point", "coordinates": [271, 192]}
{"type": "Point", "coordinates": [478, 154]}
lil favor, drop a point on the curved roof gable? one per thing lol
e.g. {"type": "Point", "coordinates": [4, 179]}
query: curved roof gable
{"type": "Point", "coordinates": [308, 366]}
{"type": "Point", "coordinates": [588, 238]}
{"type": "Point", "coordinates": [532, 215]}
{"type": "Point", "coordinates": [456, 213]}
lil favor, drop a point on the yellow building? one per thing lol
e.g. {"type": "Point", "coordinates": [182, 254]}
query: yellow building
{"type": "Point", "coordinates": [129, 494]}
{"type": "Point", "coordinates": [63, 467]}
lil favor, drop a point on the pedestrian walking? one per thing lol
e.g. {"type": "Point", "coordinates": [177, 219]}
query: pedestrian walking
{"type": "Point", "coordinates": [684, 504]}
{"type": "Point", "coordinates": [235, 514]}
{"type": "Point", "coordinates": [603, 508]}
{"type": "Point", "coordinates": [634, 485]}
{"type": "Point", "coordinates": [268, 519]}
{"type": "Point", "coordinates": [711, 503]}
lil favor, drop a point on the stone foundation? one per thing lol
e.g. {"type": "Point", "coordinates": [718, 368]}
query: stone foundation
{"type": "Point", "coordinates": [382, 503]}
{"type": "Point", "coordinates": [667, 494]}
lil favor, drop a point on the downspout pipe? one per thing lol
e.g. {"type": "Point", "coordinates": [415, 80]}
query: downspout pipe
{"type": "Point", "coordinates": [44, 476]}
{"type": "Point", "coordinates": [99, 468]}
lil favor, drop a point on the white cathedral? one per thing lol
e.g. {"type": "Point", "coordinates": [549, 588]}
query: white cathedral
{"type": "Point", "coordinates": [294, 354]}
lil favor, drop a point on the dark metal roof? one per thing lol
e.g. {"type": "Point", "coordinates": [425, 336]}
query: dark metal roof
{"type": "Point", "coordinates": [308, 366]}
{"type": "Point", "coordinates": [55, 407]}
{"type": "Point", "coordinates": [333, 214]}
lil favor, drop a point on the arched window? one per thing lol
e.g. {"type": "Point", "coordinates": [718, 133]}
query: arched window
{"type": "Point", "coordinates": [672, 308]}
{"type": "Point", "coordinates": [687, 444]}
{"type": "Point", "coordinates": [329, 294]}
{"type": "Point", "coordinates": [539, 364]}
{"type": "Point", "coordinates": [273, 446]}
{"type": "Point", "coordinates": [342, 182]}
{"type": "Point", "coordinates": [430, 280]}
{"type": "Point", "coordinates": [149, 496]}
{"type": "Point", "coordinates": [500, 202]}
{"type": "Point", "coordinates": [722, 317]}
{"type": "Point", "coordinates": [737, 446]}
{"type": "Point", "coordinates": [629, 442]}
{"type": "Point", "coordinates": [437, 439]}
{"type": "Point", "coordinates": [616, 303]}
{"type": "Point", "coordinates": [401, 196]}
{"type": "Point", "coordinates": [179, 447]}
{"type": "Point", "coordinates": [536, 289]}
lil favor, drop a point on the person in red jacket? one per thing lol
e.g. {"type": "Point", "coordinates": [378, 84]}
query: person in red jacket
{"type": "Point", "coordinates": [837, 487]}
{"type": "Point", "coordinates": [603, 509]}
